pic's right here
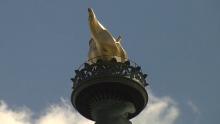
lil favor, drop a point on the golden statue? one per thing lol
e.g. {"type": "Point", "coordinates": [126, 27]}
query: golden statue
{"type": "Point", "coordinates": [102, 44]}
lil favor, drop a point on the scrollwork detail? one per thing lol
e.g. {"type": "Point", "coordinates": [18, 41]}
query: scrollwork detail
{"type": "Point", "coordinates": [109, 68]}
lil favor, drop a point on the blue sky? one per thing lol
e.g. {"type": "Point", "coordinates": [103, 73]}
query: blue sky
{"type": "Point", "coordinates": [177, 42]}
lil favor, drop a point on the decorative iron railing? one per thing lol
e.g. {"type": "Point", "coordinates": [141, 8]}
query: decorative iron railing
{"type": "Point", "coordinates": [127, 69]}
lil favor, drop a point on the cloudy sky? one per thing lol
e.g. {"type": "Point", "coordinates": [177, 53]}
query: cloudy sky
{"type": "Point", "coordinates": [177, 42]}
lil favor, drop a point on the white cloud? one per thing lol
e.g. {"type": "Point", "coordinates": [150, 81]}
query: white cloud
{"type": "Point", "coordinates": [159, 111]}
{"type": "Point", "coordinates": [195, 110]}
{"type": "Point", "coordinates": [62, 113]}
{"type": "Point", "coordinates": [9, 116]}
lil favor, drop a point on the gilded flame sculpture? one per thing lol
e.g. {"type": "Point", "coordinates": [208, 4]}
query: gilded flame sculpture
{"type": "Point", "coordinates": [102, 44]}
{"type": "Point", "coordinates": [108, 88]}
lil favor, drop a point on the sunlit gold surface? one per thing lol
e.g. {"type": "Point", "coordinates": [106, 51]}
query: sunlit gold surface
{"type": "Point", "coordinates": [102, 44]}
